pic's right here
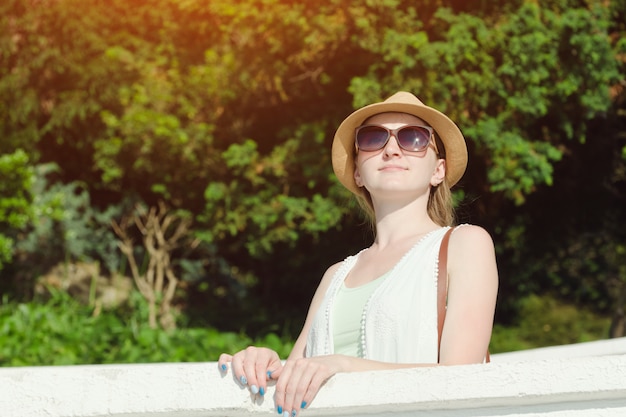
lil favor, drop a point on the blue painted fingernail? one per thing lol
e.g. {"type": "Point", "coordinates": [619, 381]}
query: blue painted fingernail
{"type": "Point", "coordinates": [269, 374]}
{"type": "Point", "coordinates": [286, 414]}
{"type": "Point", "coordinates": [254, 389]}
{"type": "Point", "coordinates": [262, 391]}
{"type": "Point", "coordinates": [303, 405]}
{"type": "Point", "coordinates": [280, 410]}
{"type": "Point", "coordinates": [294, 413]}
{"type": "Point", "coordinates": [224, 367]}
{"type": "Point", "coordinates": [243, 380]}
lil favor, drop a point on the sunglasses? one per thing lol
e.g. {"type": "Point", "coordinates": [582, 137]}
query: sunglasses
{"type": "Point", "coordinates": [411, 138]}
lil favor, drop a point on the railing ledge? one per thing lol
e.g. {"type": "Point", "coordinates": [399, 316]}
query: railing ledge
{"type": "Point", "coordinates": [570, 385]}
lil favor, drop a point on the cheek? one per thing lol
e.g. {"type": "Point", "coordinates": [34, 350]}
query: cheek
{"type": "Point", "coordinates": [361, 163]}
{"type": "Point", "coordinates": [432, 162]}
{"type": "Point", "coordinates": [363, 157]}
{"type": "Point", "coordinates": [360, 167]}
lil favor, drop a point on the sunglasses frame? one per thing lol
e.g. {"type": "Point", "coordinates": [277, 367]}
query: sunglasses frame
{"type": "Point", "coordinates": [395, 132]}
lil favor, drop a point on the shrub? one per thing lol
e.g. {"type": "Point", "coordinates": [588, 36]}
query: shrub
{"type": "Point", "coordinates": [61, 331]}
{"type": "Point", "coordinates": [545, 321]}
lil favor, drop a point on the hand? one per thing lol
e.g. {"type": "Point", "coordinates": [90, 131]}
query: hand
{"type": "Point", "coordinates": [300, 380]}
{"type": "Point", "coordinates": [252, 367]}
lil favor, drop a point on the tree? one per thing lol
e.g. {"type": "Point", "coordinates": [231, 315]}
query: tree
{"type": "Point", "coordinates": [162, 232]}
{"type": "Point", "coordinates": [15, 200]}
{"type": "Point", "coordinates": [524, 86]}
{"type": "Point", "coordinates": [227, 110]}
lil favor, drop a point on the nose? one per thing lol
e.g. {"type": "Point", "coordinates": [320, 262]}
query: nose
{"type": "Point", "coordinates": [392, 148]}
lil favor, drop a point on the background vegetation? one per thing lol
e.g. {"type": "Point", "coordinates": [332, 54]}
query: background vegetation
{"type": "Point", "coordinates": [167, 192]}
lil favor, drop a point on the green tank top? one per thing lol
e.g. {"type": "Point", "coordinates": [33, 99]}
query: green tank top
{"type": "Point", "coordinates": [347, 314]}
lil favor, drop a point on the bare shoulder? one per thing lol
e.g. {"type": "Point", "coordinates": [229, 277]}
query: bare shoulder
{"type": "Point", "coordinates": [471, 238]}
{"type": "Point", "coordinates": [471, 252]}
{"type": "Point", "coordinates": [328, 276]}
{"type": "Point", "coordinates": [324, 283]}
{"type": "Point", "coordinates": [332, 269]}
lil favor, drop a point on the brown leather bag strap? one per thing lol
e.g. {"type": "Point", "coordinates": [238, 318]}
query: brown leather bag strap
{"type": "Point", "coordinates": [442, 289]}
{"type": "Point", "coordinates": [442, 286]}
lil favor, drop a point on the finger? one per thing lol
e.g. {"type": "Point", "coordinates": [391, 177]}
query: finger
{"type": "Point", "coordinates": [257, 370]}
{"type": "Point", "coordinates": [275, 371]}
{"type": "Point", "coordinates": [268, 367]}
{"type": "Point", "coordinates": [261, 373]}
{"type": "Point", "coordinates": [275, 368]}
{"type": "Point", "coordinates": [253, 357]}
{"type": "Point", "coordinates": [315, 384]}
{"type": "Point", "coordinates": [291, 391]}
{"type": "Point", "coordinates": [223, 361]}
{"type": "Point", "coordinates": [311, 378]}
{"type": "Point", "coordinates": [237, 366]}
{"type": "Point", "coordinates": [279, 392]}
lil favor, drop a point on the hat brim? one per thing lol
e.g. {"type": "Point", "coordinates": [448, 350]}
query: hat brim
{"type": "Point", "coordinates": [402, 102]}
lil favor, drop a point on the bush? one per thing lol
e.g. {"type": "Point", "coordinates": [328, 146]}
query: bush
{"type": "Point", "coordinates": [15, 200]}
{"type": "Point", "coordinates": [62, 331]}
{"type": "Point", "coordinates": [545, 321]}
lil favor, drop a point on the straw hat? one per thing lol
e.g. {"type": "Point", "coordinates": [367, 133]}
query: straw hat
{"type": "Point", "coordinates": [401, 102]}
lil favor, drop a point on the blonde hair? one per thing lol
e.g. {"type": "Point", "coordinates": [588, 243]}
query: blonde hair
{"type": "Point", "coordinates": [440, 205]}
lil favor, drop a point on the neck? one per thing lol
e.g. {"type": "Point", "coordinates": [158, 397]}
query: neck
{"type": "Point", "coordinates": [398, 221]}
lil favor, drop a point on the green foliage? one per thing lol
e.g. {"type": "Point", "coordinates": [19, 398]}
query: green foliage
{"type": "Point", "coordinates": [15, 200]}
{"type": "Point", "coordinates": [6, 249]}
{"type": "Point", "coordinates": [526, 87]}
{"type": "Point", "coordinates": [64, 226]}
{"type": "Point", "coordinates": [518, 84]}
{"type": "Point", "coordinates": [161, 128]}
{"type": "Point", "coordinates": [267, 199]}
{"type": "Point", "coordinates": [63, 332]}
{"type": "Point", "coordinates": [519, 165]}
{"type": "Point", "coordinates": [544, 321]}
{"type": "Point", "coordinates": [15, 188]}
{"type": "Point", "coordinates": [227, 111]}
{"type": "Point", "coordinates": [54, 76]}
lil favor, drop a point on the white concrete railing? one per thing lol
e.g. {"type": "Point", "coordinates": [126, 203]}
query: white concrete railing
{"type": "Point", "coordinates": [580, 380]}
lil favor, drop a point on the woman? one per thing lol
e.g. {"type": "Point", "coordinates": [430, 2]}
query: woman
{"type": "Point", "coordinates": [378, 309]}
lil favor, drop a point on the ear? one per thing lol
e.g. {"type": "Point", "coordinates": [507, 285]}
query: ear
{"type": "Point", "coordinates": [439, 174]}
{"type": "Point", "coordinates": [357, 177]}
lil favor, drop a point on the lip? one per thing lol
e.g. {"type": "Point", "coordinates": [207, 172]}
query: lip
{"type": "Point", "coordinates": [392, 168]}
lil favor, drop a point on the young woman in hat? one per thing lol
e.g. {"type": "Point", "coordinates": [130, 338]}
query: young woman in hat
{"type": "Point", "coordinates": [384, 307]}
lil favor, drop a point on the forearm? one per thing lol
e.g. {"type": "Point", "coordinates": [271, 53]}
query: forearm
{"type": "Point", "coordinates": [344, 363]}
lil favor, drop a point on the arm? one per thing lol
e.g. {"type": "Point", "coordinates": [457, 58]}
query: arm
{"type": "Point", "coordinates": [472, 291]}
{"type": "Point", "coordinates": [473, 283]}
{"type": "Point", "coordinates": [300, 344]}
{"type": "Point", "coordinates": [473, 286]}
{"type": "Point", "coordinates": [254, 366]}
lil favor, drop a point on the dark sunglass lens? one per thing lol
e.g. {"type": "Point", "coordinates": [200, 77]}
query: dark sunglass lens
{"type": "Point", "coordinates": [414, 138]}
{"type": "Point", "coordinates": [371, 138]}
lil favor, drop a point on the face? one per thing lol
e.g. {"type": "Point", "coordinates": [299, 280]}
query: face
{"type": "Point", "coordinates": [393, 169]}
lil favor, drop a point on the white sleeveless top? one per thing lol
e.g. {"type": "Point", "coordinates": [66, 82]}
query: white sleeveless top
{"type": "Point", "coordinates": [399, 320]}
